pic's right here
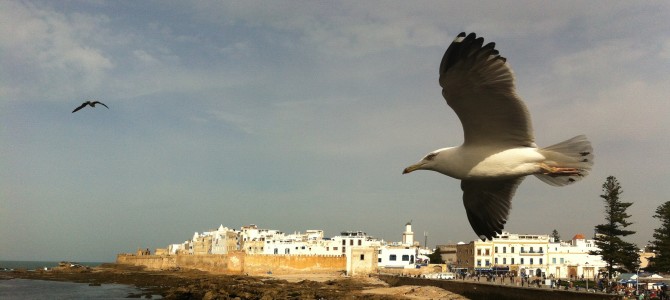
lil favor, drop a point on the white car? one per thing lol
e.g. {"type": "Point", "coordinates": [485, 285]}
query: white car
{"type": "Point", "coordinates": [448, 275]}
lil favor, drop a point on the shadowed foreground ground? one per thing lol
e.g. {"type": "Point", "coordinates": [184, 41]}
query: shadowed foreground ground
{"type": "Point", "coordinates": [190, 284]}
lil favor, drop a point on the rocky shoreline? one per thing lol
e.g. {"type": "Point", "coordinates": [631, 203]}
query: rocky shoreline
{"type": "Point", "coordinates": [192, 284]}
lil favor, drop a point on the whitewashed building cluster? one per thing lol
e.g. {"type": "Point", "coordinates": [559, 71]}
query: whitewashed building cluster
{"type": "Point", "coordinates": [530, 255]}
{"type": "Point", "coordinates": [254, 240]}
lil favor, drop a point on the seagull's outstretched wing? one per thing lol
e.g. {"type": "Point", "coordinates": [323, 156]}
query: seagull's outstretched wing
{"type": "Point", "coordinates": [98, 102]}
{"type": "Point", "coordinates": [487, 204]}
{"type": "Point", "coordinates": [80, 106]}
{"type": "Point", "coordinates": [478, 84]}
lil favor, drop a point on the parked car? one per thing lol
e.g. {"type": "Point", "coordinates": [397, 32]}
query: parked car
{"type": "Point", "coordinates": [447, 275]}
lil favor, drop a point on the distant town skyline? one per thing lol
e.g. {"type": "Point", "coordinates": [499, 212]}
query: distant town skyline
{"type": "Point", "coordinates": [300, 114]}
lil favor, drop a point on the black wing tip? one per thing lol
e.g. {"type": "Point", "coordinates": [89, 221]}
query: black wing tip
{"type": "Point", "coordinates": [489, 235]}
{"type": "Point", "coordinates": [463, 46]}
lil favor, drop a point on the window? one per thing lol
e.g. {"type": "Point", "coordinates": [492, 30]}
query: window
{"type": "Point", "coordinates": [512, 260]}
{"type": "Point", "coordinates": [504, 261]}
{"type": "Point", "coordinates": [344, 242]}
{"type": "Point", "coordinates": [392, 257]}
{"type": "Point", "coordinates": [379, 259]}
{"type": "Point", "coordinates": [540, 249]}
{"type": "Point", "coordinates": [360, 242]}
{"type": "Point", "coordinates": [553, 260]}
{"type": "Point", "coordinates": [351, 242]}
{"type": "Point", "coordinates": [479, 262]}
{"type": "Point", "coordinates": [488, 263]}
{"type": "Point", "coordinates": [488, 251]}
{"type": "Point", "coordinates": [495, 249]}
{"type": "Point", "coordinates": [362, 256]}
{"type": "Point", "coordinates": [479, 251]}
{"type": "Point", "coordinates": [405, 257]}
{"type": "Point", "coordinates": [540, 260]}
{"type": "Point", "coordinates": [521, 249]}
{"type": "Point", "coordinates": [531, 260]}
{"type": "Point", "coordinates": [496, 260]}
{"type": "Point", "coordinates": [522, 260]}
{"type": "Point", "coordinates": [504, 249]}
{"type": "Point", "coordinates": [561, 260]}
{"type": "Point", "coordinates": [334, 248]}
{"type": "Point", "coordinates": [512, 249]}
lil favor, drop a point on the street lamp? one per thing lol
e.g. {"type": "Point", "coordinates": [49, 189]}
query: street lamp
{"type": "Point", "coordinates": [637, 279]}
{"type": "Point", "coordinates": [587, 277]}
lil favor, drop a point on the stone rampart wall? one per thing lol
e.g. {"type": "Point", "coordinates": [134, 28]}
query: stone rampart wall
{"type": "Point", "coordinates": [239, 262]}
{"type": "Point", "coordinates": [291, 264]}
{"type": "Point", "coordinates": [152, 262]}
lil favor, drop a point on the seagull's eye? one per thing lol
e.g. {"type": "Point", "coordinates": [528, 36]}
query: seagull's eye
{"type": "Point", "coordinates": [430, 156]}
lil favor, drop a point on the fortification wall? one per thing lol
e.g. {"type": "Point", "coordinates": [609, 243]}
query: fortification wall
{"type": "Point", "coordinates": [215, 263]}
{"type": "Point", "coordinates": [292, 264]}
{"type": "Point", "coordinates": [239, 262]}
{"type": "Point", "coordinates": [152, 262]}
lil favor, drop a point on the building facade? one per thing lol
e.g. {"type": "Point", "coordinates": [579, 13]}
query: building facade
{"type": "Point", "coordinates": [530, 255]}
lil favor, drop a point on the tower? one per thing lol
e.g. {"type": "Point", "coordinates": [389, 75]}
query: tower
{"type": "Point", "coordinates": [408, 235]}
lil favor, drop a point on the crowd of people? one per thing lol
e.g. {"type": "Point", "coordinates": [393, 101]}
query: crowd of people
{"type": "Point", "coordinates": [602, 285]}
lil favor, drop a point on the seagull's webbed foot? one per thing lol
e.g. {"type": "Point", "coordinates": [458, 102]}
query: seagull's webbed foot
{"type": "Point", "coordinates": [558, 171]}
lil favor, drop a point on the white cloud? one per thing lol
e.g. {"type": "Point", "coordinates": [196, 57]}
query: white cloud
{"type": "Point", "coordinates": [49, 52]}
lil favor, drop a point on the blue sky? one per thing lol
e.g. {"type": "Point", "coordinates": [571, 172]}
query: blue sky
{"type": "Point", "coordinates": [302, 115]}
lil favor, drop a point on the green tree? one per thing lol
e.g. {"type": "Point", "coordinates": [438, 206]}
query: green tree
{"type": "Point", "coordinates": [554, 234]}
{"type": "Point", "coordinates": [661, 244]}
{"type": "Point", "coordinates": [435, 257]}
{"type": "Point", "coordinates": [617, 253]}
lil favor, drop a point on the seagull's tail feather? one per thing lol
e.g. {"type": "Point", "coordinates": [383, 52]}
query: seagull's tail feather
{"type": "Point", "coordinates": [575, 153]}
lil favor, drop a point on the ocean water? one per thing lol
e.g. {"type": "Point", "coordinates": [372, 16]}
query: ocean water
{"type": "Point", "coordinates": [44, 289]}
{"type": "Point", "coordinates": [33, 265]}
{"type": "Point", "coordinates": [41, 289]}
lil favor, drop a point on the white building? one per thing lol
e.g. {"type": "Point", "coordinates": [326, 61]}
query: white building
{"type": "Point", "coordinates": [312, 242]}
{"type": "Point", "coordinates": [224, 240]}
{"type": "Point", "coordinates": [572, 259]}
{"type": "Point", "coordinates": [531, 255]}
{"type": "Point", "coordinates": [397, 256]}
{"type": "Point", "coordinates": [253, 240]}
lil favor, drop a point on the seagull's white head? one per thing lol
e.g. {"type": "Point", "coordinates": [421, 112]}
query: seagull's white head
{"type": "Point", "coordinates": [432, 161]}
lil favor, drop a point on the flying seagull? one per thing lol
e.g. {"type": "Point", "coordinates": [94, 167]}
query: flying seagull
{"type": "Point", "coordinates": [499, 149]}
{"type": "Point", "coordinates": [91, 103]}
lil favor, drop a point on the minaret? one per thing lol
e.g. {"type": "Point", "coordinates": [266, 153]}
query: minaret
{"type": "Point", "coordinates": [408, 235]}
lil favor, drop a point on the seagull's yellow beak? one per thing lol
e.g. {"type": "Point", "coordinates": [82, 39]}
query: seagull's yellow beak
{"type": "Point", "coordinates": [412, 168]}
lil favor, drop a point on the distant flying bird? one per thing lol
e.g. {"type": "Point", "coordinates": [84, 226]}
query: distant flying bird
{"type": "Point", "coordinates": [499, 148]}
{"type": "Point", "coordinates": [91, 103]}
